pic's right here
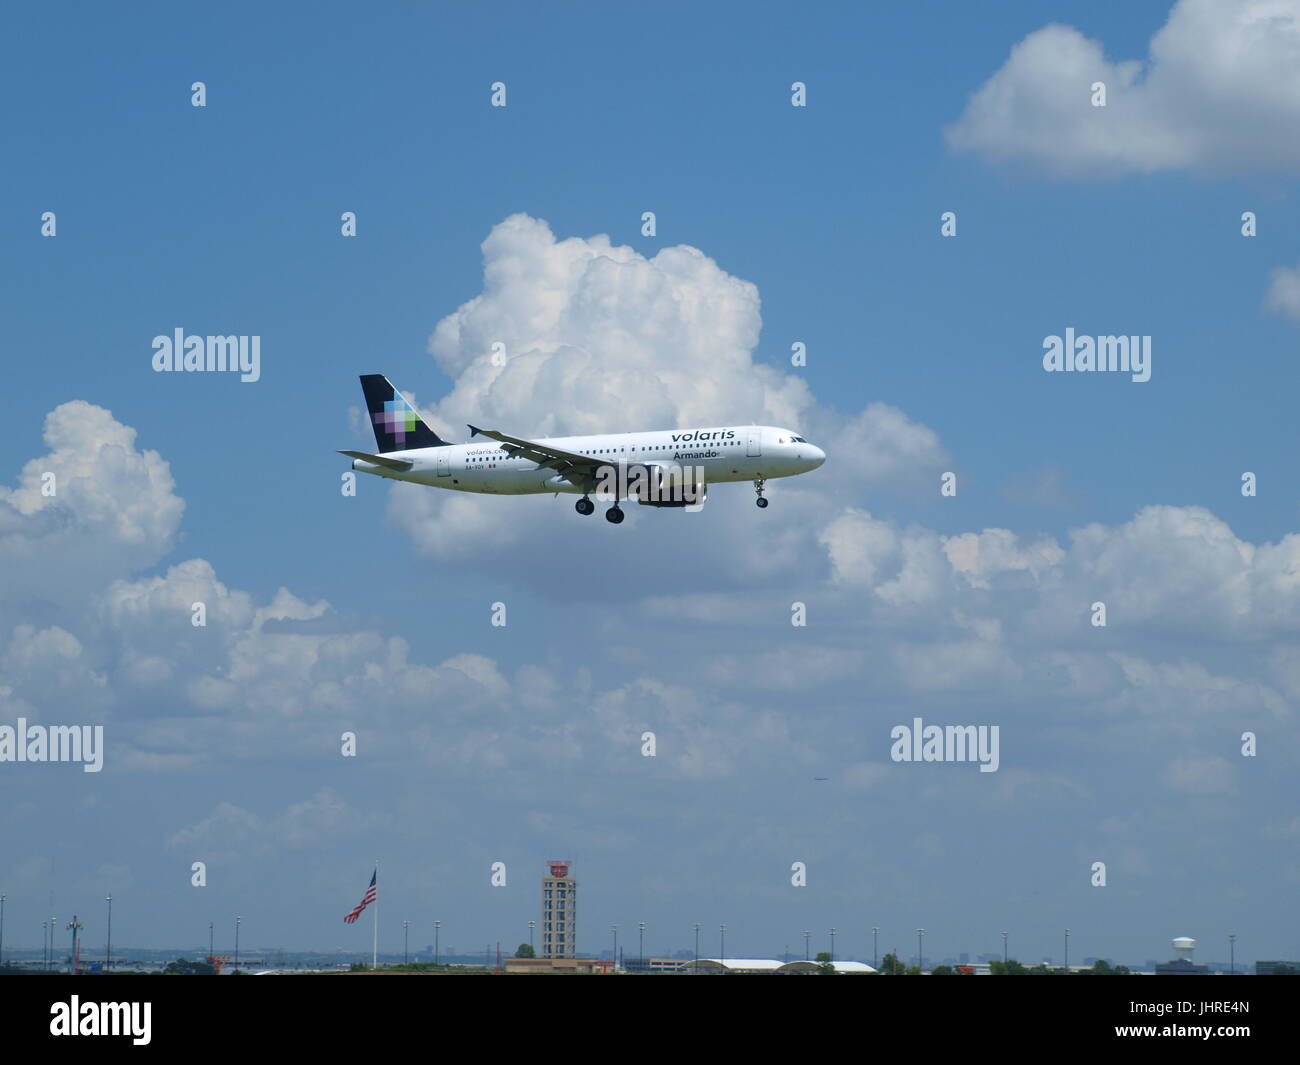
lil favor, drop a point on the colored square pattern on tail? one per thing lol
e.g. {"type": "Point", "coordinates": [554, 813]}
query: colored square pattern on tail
{"type": "Point", "coordinates": [396, 418]}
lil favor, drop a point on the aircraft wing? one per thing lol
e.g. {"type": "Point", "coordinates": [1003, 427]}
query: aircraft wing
{"type": "Point", "coordinates": [567, 464]}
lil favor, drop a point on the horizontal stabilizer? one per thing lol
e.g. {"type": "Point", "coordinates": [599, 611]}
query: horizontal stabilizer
{"type": "Point", "coordinates": [379, 460]}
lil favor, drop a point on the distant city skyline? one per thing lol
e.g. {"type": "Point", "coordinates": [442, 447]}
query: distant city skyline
{"type": "Point", "coordinates": [448, 952]}
{"type": "Point", "coordinates": [881, 226]}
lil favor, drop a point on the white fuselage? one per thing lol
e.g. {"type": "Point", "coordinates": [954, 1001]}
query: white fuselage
{"type": "Point", "coordinates": [729, 453]}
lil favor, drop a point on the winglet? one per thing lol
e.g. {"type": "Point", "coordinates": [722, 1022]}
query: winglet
{"type": "Point", "coordinates": [473, 431]}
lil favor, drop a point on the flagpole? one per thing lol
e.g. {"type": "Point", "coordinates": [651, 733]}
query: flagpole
{"type": "Point", "coordinates": [374, 957]}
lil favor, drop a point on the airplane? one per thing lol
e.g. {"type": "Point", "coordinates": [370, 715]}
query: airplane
{"type": "Point", "coordinates": [663, 468]}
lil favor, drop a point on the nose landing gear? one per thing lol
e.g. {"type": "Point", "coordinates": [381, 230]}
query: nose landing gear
{"type": "Point", "coordinates": [761, 501]}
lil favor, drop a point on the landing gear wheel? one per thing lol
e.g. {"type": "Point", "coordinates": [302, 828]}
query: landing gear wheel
{"type": "Point", "coordinates": [760, 501]}
{"type": "Point", "coordinates": [758, 487]}
{"type": "Point", "coordinates": [584, 506]}
{"type": "Point", "coordinates": [613, 515]}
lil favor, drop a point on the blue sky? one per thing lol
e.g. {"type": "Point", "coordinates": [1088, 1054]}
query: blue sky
{"type": "Point", "coordinates": [225, 219]}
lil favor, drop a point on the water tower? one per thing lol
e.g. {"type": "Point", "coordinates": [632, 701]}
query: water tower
{"type": "Point", "coordinates": [1183, 949]}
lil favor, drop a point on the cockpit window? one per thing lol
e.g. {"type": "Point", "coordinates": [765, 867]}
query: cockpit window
{"type": "Point", "coordinates": [798, 439]}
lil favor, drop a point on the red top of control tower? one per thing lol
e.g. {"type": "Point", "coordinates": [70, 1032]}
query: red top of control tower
{"type": "Point", "coordinates": [560, 869]}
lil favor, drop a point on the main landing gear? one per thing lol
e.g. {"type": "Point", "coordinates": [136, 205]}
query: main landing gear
{"type": "Point", "coordinates": [585, 506]}
{"type": "Point", "coordinates": [761, 501]}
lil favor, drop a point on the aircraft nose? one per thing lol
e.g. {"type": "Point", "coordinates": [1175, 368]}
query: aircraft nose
{"type": "Point", "coordinates": [816, 456]}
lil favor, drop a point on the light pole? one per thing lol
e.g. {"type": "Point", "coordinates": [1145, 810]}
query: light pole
{"type": "Point", "coordinates": [406, 942]}
{"type": "Point", "coordinates": [832, 946]}
{"type": "Point", "coordinates": [75, 927]}
{"type": "Point", "coordinates": [437, 928]}
{"type": "Point", "coordinates": [108, 951]}
{"type": "Point", "coordinates": [1004, 948]}
{"type": "Point", "coordinates": [697, 946]}
{"type": "Point", "coordinates": [723, 933]}
{"type": "Point", "coordinates": [1067, 950]}
{"type": "Point", "coordinates": [43, 939]}
{"type": "Point", "coordinates": [531, 926]}
{"type": "Point", "coordinates": [875, 948]}
{"type": "Point", "coordinates": [614, 928]}
{"type": "Point", "coordinates": [53, 926]}
{"type": "Point", "coordinates": [806, 935]}
{"type": "Point", "coordinates": [640, 950]}
{"type": "Point", "coordinates": [2, 929]}
{"type": "Point", "coordinates": [1232, 951]}
{"type": "Point", "coordinates": [238, 919]}
{"type": "Point", "coordinates": [920, 949]}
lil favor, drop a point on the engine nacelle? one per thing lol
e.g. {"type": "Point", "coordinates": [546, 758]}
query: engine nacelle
{"type": "Point", "coordinates": [651, 484]}
{"type": "Point", "coordinates": [675, 495]}
{"type": "Point", "coordinates": [697, 501]}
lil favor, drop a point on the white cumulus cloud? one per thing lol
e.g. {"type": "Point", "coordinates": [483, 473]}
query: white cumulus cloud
{"type": "Point", "coordinates": [598, 336]}
{"type": "Point", "coordinates": [90, 510]}
{"type": "Point", "coordinates": [1283, 296]}
{"type": "Point", "coordinates": [1218, 92]}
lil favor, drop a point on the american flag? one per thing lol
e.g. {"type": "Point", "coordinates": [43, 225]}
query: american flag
{"type": "Point", "coordinates": [372, 892]}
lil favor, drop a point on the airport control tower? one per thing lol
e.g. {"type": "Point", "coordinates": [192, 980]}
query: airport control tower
{"type": "Point", "coordinates": [559, 912]}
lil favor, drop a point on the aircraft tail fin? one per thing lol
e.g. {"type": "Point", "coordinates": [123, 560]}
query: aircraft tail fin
{"type": "Point", "coordinates": [398, 426]}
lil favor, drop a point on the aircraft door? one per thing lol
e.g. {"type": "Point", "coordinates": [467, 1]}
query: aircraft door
{"type": "Point", "coordinates": [444, 469]}
{"type": "Point", "coordinates": [754, 444]}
